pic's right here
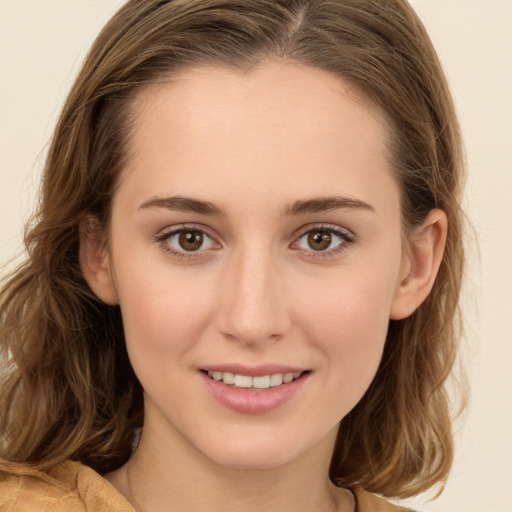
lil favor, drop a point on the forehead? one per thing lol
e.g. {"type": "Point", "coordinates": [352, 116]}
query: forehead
{"type": "Point", "coordinates": [280, 126]}
{"type": "Point", "coordinates": [216, 96]}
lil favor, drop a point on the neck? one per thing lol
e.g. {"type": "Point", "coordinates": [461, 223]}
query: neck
{"type": "Point", "coordinates": [162, 475]}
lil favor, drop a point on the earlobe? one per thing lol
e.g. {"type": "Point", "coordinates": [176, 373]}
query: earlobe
{"type": "Point", "coordinates": [420, 265]}
{"type": "Point", "coordinates": [94, 261]}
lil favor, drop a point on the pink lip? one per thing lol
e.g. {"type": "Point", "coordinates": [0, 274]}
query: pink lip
{"type": "Point", "coordinates": [250, 401]}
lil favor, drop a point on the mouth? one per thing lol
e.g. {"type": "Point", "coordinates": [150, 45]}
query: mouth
{"type": "Point", "coordinates": [254, 383]}
{"type": "Point", "coordinates": [254, 390]}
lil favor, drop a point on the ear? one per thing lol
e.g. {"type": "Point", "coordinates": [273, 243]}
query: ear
{"type": "Point", "coordinates": [94, 260]}
{"type": "Point", "coordinates": [420, 265]}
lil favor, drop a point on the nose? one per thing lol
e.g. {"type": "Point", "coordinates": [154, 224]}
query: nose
{"type": "Point", "coordinates": [253, 308]}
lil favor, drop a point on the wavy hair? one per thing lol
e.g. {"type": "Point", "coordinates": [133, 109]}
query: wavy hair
{"type": "Point", "coordinates": [68, 390]}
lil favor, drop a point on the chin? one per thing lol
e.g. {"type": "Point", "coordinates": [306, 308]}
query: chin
{"type": "Point", "coordinates": [253, 452]}
{"type": "Point", "coordinates": [259, 459]}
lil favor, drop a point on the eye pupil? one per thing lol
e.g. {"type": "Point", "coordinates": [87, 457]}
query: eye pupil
{"type": "Point", "coordinates": [319, 240]}
{"type": "Point", "coordinates": [191, 240]}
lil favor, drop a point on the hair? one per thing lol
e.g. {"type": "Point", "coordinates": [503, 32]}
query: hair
{"type": "Point", "coordinates": [68, 390]}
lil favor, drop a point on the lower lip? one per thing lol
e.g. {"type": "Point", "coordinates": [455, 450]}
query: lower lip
{"type": "Point", "coordinates": [249, 401]}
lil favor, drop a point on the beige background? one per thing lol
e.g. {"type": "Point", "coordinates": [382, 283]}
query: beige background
{"type": "Point", "coordinates": [42, 43]}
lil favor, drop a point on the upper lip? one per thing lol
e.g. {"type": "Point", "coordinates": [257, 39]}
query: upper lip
{"type": "Point", "coordinates": [253, 371]}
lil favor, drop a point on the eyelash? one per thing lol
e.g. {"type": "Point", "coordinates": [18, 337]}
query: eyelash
{"type": "Point", "coordinates": [163, 238]}
{"type": "Point", "coordinates": [344, 236]}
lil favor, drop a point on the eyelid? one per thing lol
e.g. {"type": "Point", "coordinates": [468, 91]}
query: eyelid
{"type": "Point", "coordinates": [170, 231]}
{"type": "Point", "coordinates": [343, 233]}
{"type": "Point", "coordinates": [333, 228]}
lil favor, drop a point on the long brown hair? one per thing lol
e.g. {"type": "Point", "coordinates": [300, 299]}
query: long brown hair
{"type": "Point", "coordinates": [67, 387]}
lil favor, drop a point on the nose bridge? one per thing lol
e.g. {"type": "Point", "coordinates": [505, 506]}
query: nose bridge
{"type": "Point", "coordinates": [253, 305]}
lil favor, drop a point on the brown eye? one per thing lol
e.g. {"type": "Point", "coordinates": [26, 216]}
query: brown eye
{"type": "Point", "coordinates": [182, 241]}
{"type": "Point", "coordinates": [326, 240]}
{"type": "Point", "coordinates": [319, 240]}
{"type": "Point", "coordinates": [191, 240]}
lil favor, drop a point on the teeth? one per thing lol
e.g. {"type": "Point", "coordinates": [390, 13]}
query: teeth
{"type": "Point", "coordinates": [262, 382]}
{"type": "Point", "coordinates": [243, 381]}
{"type": "Point", "coordinates": [276, 379]}
{"type": "Point", "coordinates": [229, 378]}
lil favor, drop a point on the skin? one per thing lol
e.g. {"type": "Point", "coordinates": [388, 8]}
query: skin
{"type": "Point", "coordinates": [253, 145]}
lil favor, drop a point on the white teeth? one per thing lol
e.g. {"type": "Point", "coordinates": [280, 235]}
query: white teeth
{"type": "Point", "coordinates": [261, 382]}
{"type": "Point", "coordinates": [276, 379]}
{"type": "Point", "coordinates": [229, 378]}
{"type": "Point", "coordinates": [243, 381]}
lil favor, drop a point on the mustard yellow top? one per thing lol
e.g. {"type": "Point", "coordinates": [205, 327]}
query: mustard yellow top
{"type": "Point", "coordinates": [74, 487]}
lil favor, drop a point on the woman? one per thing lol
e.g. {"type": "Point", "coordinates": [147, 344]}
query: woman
{"type": "Point", "coordinates": [241, 285]}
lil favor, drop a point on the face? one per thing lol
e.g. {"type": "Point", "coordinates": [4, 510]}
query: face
{"type": "Point", "coordinates": [255, 238]}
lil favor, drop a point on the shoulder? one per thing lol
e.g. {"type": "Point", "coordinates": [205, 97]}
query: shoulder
{"type": "Point", "coordinates": [67, 487]}
{"type": "Point", "coordinates": [368, 502]}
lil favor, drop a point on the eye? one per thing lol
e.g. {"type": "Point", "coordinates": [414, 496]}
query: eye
{"type": "Point", "coordinates": [323, 240]}
{"type": "Point", "coordinates": [185, 241]}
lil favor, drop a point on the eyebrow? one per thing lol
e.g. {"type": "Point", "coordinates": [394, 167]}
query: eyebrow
{"type": "Point", "coordinates": [184, 204]}
{"type": "Point", "coordinates": [301, 207]}
{"type": "Point", "coordinates": [322, 204]}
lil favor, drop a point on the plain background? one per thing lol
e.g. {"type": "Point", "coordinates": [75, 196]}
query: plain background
{"type": "Point", "coordinates": [42, 43]}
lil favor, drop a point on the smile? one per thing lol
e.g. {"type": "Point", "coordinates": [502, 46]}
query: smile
{"type": "Point", "coordinates": [255, 383]}
{"type": "Point", "coordinates": [265, 389]}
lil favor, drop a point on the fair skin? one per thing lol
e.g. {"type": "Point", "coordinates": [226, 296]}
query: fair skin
{"type": "Point", "coordinates": [294, 261]}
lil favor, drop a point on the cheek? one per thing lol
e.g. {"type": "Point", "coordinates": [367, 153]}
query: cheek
{"type": "Point", "coordinates": [348, 319]}
{"type": "Point", "coordinates": [163, 313]}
